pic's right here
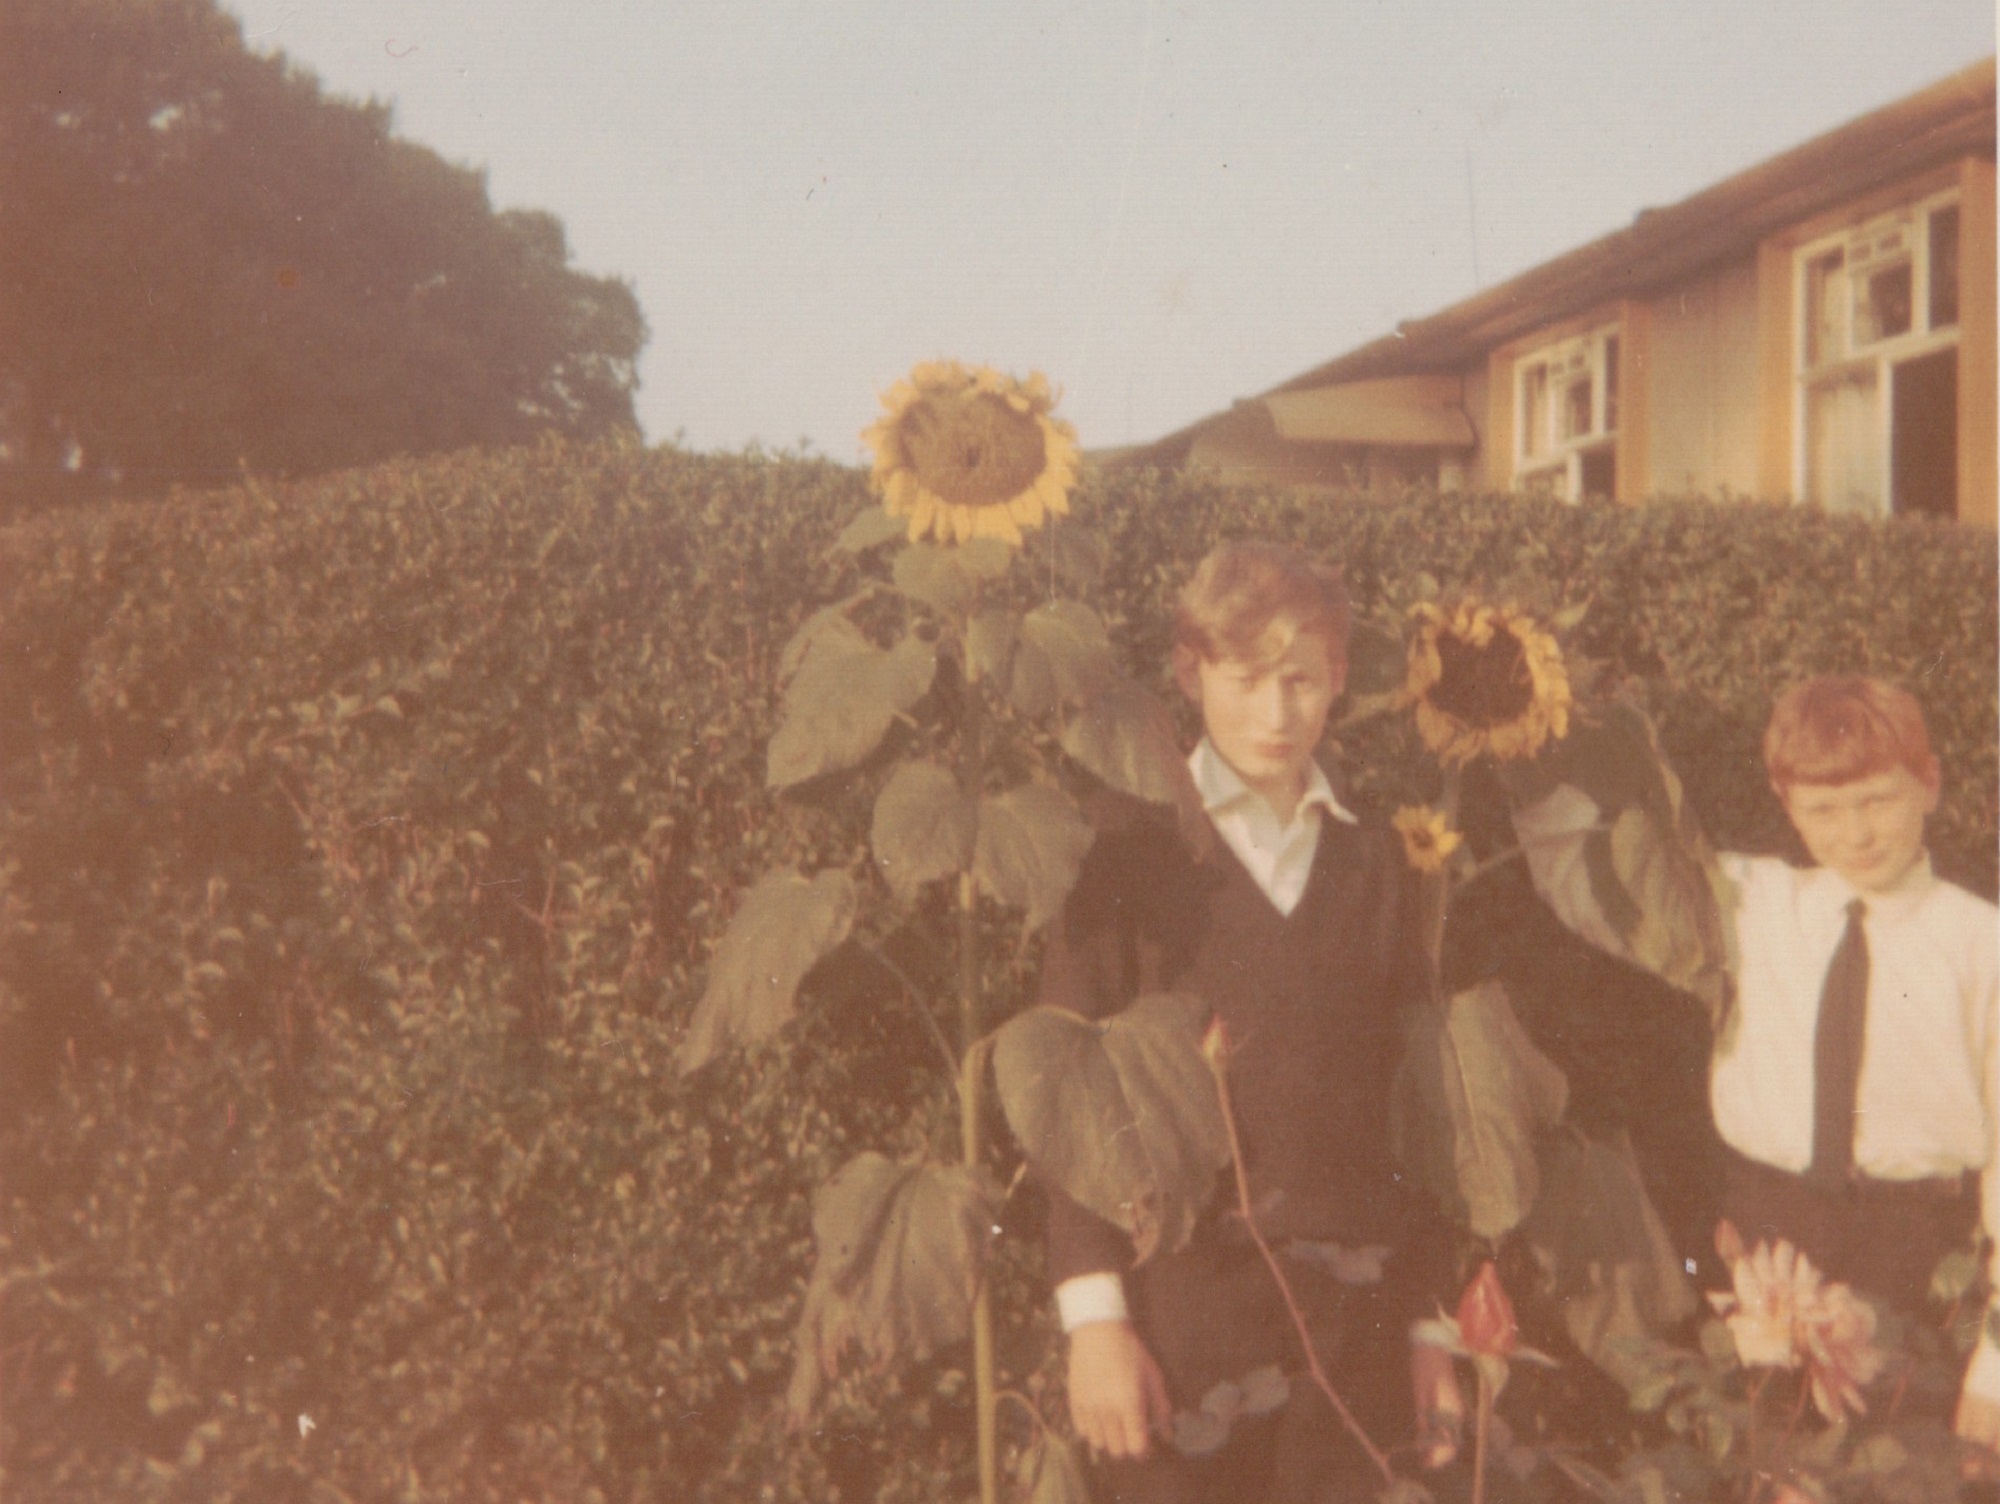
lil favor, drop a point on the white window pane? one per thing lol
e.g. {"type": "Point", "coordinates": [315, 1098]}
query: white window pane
{"type": "Point", "coordinates": [1826, 298]}
{"type": "Point", "coordinates": [1535, 412]}
{"type": "Point", "coordinates": [1845, 465]}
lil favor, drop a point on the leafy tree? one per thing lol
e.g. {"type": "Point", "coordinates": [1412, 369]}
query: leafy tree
{"type": "Point", "coordinates": [206, 263]}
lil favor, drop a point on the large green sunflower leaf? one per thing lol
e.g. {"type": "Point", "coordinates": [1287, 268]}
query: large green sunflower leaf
{"type": "Point", "coordinates": [936, 577]}
{"type": "Point", "coordinates": [870, 528]}
{"type": "Point", "coordinates": [1594, 1230]}
{"type": "Point", "coordinates": [987, 558]}
{"type": "Point", "coordinates": [1618, 855]}
{"type": "Point", "coordinates": [1126, 737]}
{"type": "Point", "coordinates": [924, 828]}
{"type": "Point", "coordinates": [844, 697]}
{"type": "Point", "coordinates": [1062, 658]}
{"type": "Point", "coordinates": [901, 1249]}
{"type": "Point", "coordinates": [989, 642]}
{"type": "Point", "coordinates": [830, 627]}
{"type": "Point", "coordinates": [1472, 1097]}
{"type": "Point", "coordinates": [1031, 842]}
{"type": "Point", "coordinates": [786, 925]}
{"type": "Point", "coordinates": [1122, 1115]}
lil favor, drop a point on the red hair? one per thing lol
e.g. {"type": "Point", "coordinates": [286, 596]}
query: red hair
{"type": "Point", "coordinates": [1842, 727]}
{"type": "Point", "coordinates": [1242, 590]}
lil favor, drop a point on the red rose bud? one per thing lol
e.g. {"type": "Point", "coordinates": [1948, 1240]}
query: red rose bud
{"type": "Point", "coordinates": [1215, 1043]}
{"type": "Point", "coordinates": [1486, 1316]}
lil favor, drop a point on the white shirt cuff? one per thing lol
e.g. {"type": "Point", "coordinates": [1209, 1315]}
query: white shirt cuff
{"type": "Point", "coordinates": [1091, 1297]}
{"type": "Point", "coordinates": [1982, 1377]}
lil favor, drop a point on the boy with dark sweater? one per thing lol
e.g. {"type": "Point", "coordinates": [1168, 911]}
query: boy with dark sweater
{"type": "Point", "coordinates": [1299, 929]}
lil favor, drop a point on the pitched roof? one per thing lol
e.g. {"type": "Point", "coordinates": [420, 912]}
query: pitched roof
{"type": "Point", "coordinates": [1661, 247]}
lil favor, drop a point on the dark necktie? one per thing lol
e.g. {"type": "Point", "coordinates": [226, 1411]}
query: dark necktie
{"type": "Point", "coordinates": [1843, 1023]}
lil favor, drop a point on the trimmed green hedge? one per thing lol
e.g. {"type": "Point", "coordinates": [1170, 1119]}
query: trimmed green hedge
{"type": "Point", "coordinates": [361, 846]}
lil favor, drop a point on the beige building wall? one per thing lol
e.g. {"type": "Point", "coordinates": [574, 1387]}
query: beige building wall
{"type": "Point", "coordinates": [1703, 414]}
{"type": "Point", "coordinates": [1478, 407]}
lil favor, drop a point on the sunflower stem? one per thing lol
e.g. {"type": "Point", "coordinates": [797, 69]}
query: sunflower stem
{"type": "Point", "coordinates": [972, 774]}
{"type": "Point", "coordinates": [1482, 1426]}
{"type": "Point", "coordinates": [985, 1382]}
{"type": "Point", "coordinates": [1755, 1439]}
{"type": "Point", "coordinates": [1437, 892]}
{"type": "Point", "coordinates": [1497, 860]}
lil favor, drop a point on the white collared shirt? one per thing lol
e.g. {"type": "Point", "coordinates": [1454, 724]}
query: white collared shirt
{"type": "Point", "coordinates": [1924, 1104]}
{"type": "Point", "coordinates": [1928, 1103]}
{"type": "Point", "coordinates": [1279, 858]}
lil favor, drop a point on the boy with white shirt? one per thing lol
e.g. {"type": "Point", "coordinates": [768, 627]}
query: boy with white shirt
{"type": "Point", "coordinates": [1300, 929]}
{"type": "Point", "coordinates": [1856, 1084]}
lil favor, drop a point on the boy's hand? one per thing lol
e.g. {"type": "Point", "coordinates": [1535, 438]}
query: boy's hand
{"type": "Point", "coordinates": [1440, 1404]}
{"type": "Point", "coordinates": [1117, 1394]}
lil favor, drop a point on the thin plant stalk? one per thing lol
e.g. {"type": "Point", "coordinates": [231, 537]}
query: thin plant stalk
{"type": "Point", "coordinates": [1756, 1436]}
{"type": "Point", "coordinates": [1220, 1070]}
{"type": "Point", "coordinates": [985, 1384]}
{"type": "Point", "coordinates": [1482, 1426]}
{"type": "Point", "coordinates": [1437, 891]}
{"type": "Point", "coordinates": [984, 1380]}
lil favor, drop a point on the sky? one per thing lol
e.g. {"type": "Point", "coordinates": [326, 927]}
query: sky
{"type": "Point", "coordinates": [1163, 207]}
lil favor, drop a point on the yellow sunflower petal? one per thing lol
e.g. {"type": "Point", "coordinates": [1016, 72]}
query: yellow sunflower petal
{"type": "Point", "coordinates": [968, 452]}
{"type": "Point", "coordinates": [1502, 691]}
{"type": "Point", "coordinates": [994, 522]}
{"type": "Point", "coordinates": [1428, 839]}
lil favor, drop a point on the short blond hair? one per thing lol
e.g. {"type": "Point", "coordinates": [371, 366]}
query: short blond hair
{"type": "Point", "coordinates": [1244, 589]}
{"type": "Point", "coordinates": [1838, 728]}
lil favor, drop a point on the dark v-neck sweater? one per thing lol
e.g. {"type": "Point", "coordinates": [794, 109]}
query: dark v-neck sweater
{"type": "Point", "coordinates": [1315, 1003]}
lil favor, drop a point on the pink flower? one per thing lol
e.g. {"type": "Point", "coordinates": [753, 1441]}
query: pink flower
{"type": "Point", "coordinates": [1773, 1281]}
{"type": "Point", "coordinates": [1486, 1317]}
{"type": "Point", "coordinates": [1782, 1314]}
{"type": "Point", "coordinates": [1838, 1331]}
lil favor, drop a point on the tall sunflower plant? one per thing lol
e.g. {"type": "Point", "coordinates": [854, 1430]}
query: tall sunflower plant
{"type": "Point", "coordinates": [974, 704]}
{"type": "Point", "coordinates": [1494, 710]}
{"type": "Point", "coordinates": [1770, 1407]}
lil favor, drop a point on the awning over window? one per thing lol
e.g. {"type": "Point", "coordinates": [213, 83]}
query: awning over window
{"type": "Point", "coordinates": [1418, 410]}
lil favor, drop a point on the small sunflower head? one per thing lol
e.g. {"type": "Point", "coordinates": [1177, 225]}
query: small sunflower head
{"type": "Point", "coordinates": [965, 452]}
{"type": "Point", "coordinates": [1428, 839]}
{"type": "Point", "coordinates": [1486, 679]}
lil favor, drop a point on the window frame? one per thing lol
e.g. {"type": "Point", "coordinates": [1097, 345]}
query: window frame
{"type": "Point", "coordinates": [1553, 459]}
{"type": "Point", "coordinates": [1871, 360]}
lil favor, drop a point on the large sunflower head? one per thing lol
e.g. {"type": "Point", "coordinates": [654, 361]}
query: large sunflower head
{"type": "Point", "coordinates": [1486, 679]}
{"type": "Point", "coordinates": [965, 452]}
